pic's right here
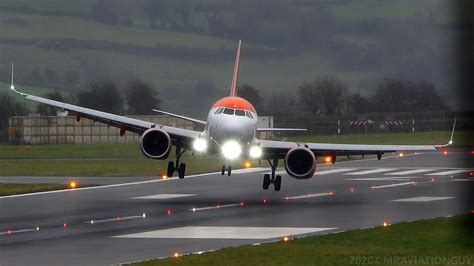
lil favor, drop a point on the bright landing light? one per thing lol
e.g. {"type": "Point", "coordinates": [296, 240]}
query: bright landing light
{"type": "Point", "coordinates": [231, 149]}
{"type": "Point", "coordinates": [255, 152]}
{"type": "Point", "coordinates": [200, 145]}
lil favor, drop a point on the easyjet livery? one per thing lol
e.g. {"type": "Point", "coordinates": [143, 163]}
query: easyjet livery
{"type": "Point", "coordinates": [231, 132]}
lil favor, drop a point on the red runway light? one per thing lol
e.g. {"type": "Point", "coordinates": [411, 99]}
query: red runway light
{"type": "Point", "coordinates": [168, 212]}
{"type": "Point", "coordinates": [445, 152]}
{"type": "Point", "coordinates": [331, 193]}
{"type": "Point", "coordinates": [9, 232]}
{"type": "Point", "coordinates": [242, 204]}
{"type": "Point", "coordinates": [118, 218]}
{"type": "Point", "coordinates": [218, 206]}
{"type": "Point", "coordinates": [65, 225]}
{"type": "Point", "coordinates": [352, 189]}
{"type": "Point", "coordinates": [472, 152]}
{"type": "Point", "coordinates": [471, 174]}
{"type": "Point", "coordinates": [265, 201]}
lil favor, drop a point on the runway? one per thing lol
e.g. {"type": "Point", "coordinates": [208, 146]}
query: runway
{"type": "Point", "coordinates": [139, 219]}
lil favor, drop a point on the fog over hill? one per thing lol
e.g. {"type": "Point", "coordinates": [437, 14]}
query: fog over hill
{"type": "Point", "coordinates": [186, 48]}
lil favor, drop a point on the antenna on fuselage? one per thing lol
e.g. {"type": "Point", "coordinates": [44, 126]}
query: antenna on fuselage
{"type": "Point", "coordinates": [235, 76]}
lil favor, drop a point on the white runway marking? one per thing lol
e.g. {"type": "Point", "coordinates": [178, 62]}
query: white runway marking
{"type": "Point", "coordinates": [332, 171]}
{"type": "Point", "coordinates": [249, 170]}
{"type": "Point", "coordinates": [452, 172]}
{"type": "Point", "coordinates": [409, 172]}
{"type": "Point", "coordinates": [462, 180]}
{"type": "Point", "coordinates": [423, 199]}
{"type": "Point", "coordinates": [225, 232]}
{"type": "Point", "coordinates": [377, 179]}
{"type": "Point", "coordinates": [372, 171]}
{"type": "Point", "coordinates": [309, 196]}
{"type": "Point", "coordinates": [394, 185]}
{"type": "Point", "coordinates": [165, 196]}
{"type": "Point", "coordinates": [214, 207]}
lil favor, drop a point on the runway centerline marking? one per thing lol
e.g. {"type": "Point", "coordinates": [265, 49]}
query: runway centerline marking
{"type": "Point", "coordinates": [372, 171]}
{"type": "Point", "coordinates": [409, 172]}
{"type": "Point", "coordinates": [422, 199]}
{"type": "Point", "coordinates": [215, 207]}
{"type": "Point", "coordinates": [394, 185]}
{"type": "Point", "coordinates": [165, 196]}
{"type": "Point", "coordinates": [226, 232]}
{"type": "Point", "coordinates": [308, 196]}
{"type": "Point", "coordinates": [332, 171]}
{"type": "Point", "coordinates": [452, 172]}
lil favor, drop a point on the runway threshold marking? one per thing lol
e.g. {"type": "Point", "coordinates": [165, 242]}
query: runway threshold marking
{"type": "Point", "coordinates": [372, 171]}
{"type": "Point", "coordinates": [452, 172]}
{"type": "Point", "coordinates": [165, 196]}
{"type": "Point", "coordinates": [422, 199]}
{"type": "Point", "coordinates": [226, 232]}
{"type": "Point", "coordinates": [409, 172]}
{"type": "Point", "coordinates": [332, 171]}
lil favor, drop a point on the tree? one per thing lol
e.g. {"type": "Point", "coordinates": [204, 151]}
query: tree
{"type": "Point", "coordinates": [358, 104]}
{"type": "Point", "coordinates": [325, 95]}
{"type": "Point", "coordinates": [141, 98]}
{"type": "Point", "coordinates": [102, 96]}
{"type": "Point", "coordinates": [8, 108]}
{"type": "Point", "coordinates": [47, 110]}
{"type": "Point", "coordinates": [253, 95]}
{"type": "Point", "coordinates": [395, 95]}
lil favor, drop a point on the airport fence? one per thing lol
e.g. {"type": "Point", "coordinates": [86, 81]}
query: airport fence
{"type": "Point", "coordinates": [376, 123]}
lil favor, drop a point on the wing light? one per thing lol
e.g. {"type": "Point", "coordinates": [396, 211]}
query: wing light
{"type": "Point", "coordinates": [200, 145]}
{"type": "Point", "coordinates": [255, 152]}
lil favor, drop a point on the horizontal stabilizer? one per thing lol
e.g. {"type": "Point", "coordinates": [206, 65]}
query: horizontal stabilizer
{"type": "Point", "coordinates": [181, 116]}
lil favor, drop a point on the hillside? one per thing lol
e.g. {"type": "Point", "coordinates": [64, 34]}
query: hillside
{"type": "Point", "coordinates": [65, 45]}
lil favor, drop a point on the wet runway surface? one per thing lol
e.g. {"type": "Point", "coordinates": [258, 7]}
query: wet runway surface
{"type": "Point", "coordinates": [144, 218]}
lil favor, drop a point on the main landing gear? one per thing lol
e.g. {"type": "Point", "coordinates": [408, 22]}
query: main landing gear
{"type": "Point", "coordinates": [275, 180]}
{"type": "Point", "coordinates": [176, 166]}
{"type": "Point", "coordinates": [226, 168]}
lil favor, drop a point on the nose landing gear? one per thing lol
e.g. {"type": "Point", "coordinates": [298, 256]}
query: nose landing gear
{"type": "Point", "coordinates": [272, 179]}
{"type": "Point", "coordinates": [226, 168]}
{"type": "Point", "coordinates": [176, 166]}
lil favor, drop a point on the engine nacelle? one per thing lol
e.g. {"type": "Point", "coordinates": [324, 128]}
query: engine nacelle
{"type": "Point", "coordinates": [300, 163]}
{"type": "Point", "coordinates": [155, 144]}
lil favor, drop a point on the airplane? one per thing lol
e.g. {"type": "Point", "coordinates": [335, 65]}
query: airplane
{"type": "Point", "coordinates": [231, 132]}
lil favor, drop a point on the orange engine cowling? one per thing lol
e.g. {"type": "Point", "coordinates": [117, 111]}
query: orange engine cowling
{"type": "Point", "coordinates": [155, 144]}
{"type": "Point", "coordinates": [300, 163]}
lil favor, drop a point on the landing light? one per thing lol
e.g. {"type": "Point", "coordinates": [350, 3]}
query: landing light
{"type": "Point", "coordinates": [327, 159]}
{"type": "Point", "coordinates": [247, 165]}
{"type": "Point", "coordinates": [200, 145]}
{"type": "Point", "coordinates": [401, 154]}
{"type": "Point", "coordinates": [231, 150]}
{"type": "Point", "coordinates": [255, 152]}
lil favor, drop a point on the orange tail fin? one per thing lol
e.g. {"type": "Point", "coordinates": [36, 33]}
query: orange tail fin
{"type": "Point", "coordinates": [235, 76]}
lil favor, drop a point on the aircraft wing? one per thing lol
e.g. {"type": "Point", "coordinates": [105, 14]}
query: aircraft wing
{"type": "Point", "coordinates": [180, 135]}
{"type": "Point", "coordinates": [272, 149]}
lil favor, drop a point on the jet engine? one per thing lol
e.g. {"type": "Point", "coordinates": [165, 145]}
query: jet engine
{"type": "Point", "coordinates": [300, 163]}
{"type": "Point", "coordinates": [155, 144]}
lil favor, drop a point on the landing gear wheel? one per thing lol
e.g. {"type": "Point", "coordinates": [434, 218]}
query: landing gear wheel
{"type": "Point", "coordinates": [181, 170]}
{"type": "Point", "coordinates": [277, 183]}
{"type": "Point", "coordinates": [223, 170]}
{"type": "Point", "coordinates": [229, 170]}
{"type": "Point", "coordinates": [266, 181]}
{"type": "Point", "coordinates": [171, 169]}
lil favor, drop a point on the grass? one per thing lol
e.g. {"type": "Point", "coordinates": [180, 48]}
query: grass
{"type": "Point", "coordinates": [461, 138]}
{"type": "Point", "coordinates": [127, 160]}
{"type": "Point", "coordinates": [443, 237]}
{"type": "Point", "coordinates": [14, 189]}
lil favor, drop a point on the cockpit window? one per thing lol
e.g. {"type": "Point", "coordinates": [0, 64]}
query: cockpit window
{"type": "Point", "coordinates": [219, 110]}
{"type": "Point", "coordinates": [240, 112]}
{"type": "Point", "coordinates": [228, 111]}
{"type": "Point", "coordinates": [248, 114]}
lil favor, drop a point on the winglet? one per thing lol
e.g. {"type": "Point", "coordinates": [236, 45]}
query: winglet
{"type": "Point", "coordinates": [12, 86]}
{"type": "Point", "coordinates": [451, 140]}
{"type": "Point", "coordinates": [235, 76]}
